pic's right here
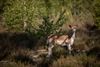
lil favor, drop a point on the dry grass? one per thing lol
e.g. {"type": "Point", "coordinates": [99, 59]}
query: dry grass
{"type": "Point", "coordinates": [13, 64]}
{"type": "Point", "coordinates": [76, 61]}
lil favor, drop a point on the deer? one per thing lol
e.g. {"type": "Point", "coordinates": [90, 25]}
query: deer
{"type": "Point", "coordinates": [62, 40]}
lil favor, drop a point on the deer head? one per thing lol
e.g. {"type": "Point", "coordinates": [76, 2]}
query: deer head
{"type": "Point", "coordinates": [74, 27]}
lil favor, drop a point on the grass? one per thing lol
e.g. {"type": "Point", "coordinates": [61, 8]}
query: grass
{"type": "Point", "coordinates": [13, 64]}
{"type": "Point", "coordinates": [76, 61]}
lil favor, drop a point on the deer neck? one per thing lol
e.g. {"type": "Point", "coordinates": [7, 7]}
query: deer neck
{"type": "Point", "coordinates": [73, 35]}
{"type": "Point", "coordinates": [72, 38]}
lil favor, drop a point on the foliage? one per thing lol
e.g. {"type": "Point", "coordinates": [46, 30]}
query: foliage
{"type": "Point", "coordinates": [49, 26]}
{"type": "Point", "coordinates": [82, 11]}
{"type": "Point", "coordinates": [34, 13]}
{"type": "Point", "coordinates": [16, 12]}
{"type": "Point", "coordinates": [97, 12]}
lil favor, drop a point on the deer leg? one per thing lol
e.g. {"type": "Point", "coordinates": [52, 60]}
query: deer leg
{"type": "Point", "coordinates": [50, 50]}
{"type": "Point", "coordinates": [69, 48]}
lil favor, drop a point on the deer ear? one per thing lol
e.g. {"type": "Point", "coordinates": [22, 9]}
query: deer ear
{"type": "Point", "coordinates": [70, 26]}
